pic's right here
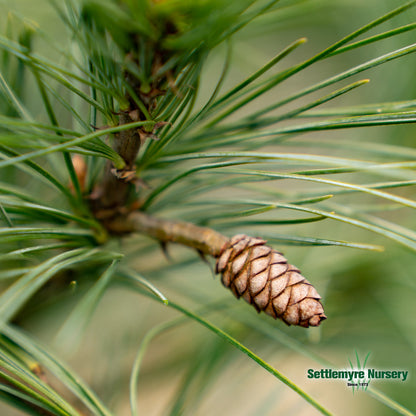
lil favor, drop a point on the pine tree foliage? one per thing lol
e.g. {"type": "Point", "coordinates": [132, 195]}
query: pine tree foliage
{"type": "Point", "coordinates": [262, 155]}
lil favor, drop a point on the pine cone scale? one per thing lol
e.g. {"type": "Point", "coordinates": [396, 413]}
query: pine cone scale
{"type": "Point", "coordinates": [278, 269]}
{"type": "Point", "coordinates": [298, 293]}
{"type": "Point", "coordinates": [226, 279]}
{"type": "Point", "coordinates": [295, 277]}
{"type": "Point", "coordinates": [239, 262]}
{"type": "Point", "coordinates": [263, 277]}
{"type": "Point", "coordinates": [263, 298]}
{"type": "Point", "coordinates": [258, 282]}
{"type": "Point", "coordinates": [313, 293]}
{"type": "Point", "coordinates": [241, 283]}
{"type": "Point", "coordinates": [259, 265]}
{"type": "Point", "coordinates": [259, 251]}
{"type": "Point", "coordinates": [281, 302]}
{"type": "Point", "coordinates": [291, 315]}
{"type": "Point", "coordinates": [223, 260]}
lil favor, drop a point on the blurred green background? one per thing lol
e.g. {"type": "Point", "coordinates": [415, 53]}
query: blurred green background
{"type": "Point", "coordinates": [369, 297]}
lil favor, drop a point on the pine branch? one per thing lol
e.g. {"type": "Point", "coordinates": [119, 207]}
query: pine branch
{"type": "Point", "coordinates": [249, 268]}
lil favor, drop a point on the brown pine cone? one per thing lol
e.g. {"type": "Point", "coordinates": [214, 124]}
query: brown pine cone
{"type": "Point", "coordinates": [263, 277]}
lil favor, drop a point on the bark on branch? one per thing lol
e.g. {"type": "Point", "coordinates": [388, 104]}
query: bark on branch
{"type": "Point", "coordinates": [113, 190]}
{"type": "Point", "coordinates": [203, 239]}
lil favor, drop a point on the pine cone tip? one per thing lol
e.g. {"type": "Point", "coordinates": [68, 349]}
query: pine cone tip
{"type": "Point", "coordinates": [263, 277]}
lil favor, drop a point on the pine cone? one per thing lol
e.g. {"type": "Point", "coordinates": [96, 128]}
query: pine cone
{"type": "Point", "coordinates": [263, 277]}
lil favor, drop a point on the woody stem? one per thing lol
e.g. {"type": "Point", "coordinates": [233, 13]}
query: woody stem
{"type": "Point", "coordinates": [112, 192]}
{"type": "Point", "coordinates": [203, 239]}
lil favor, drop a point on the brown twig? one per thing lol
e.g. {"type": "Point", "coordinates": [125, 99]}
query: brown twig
{"type": "Point", "coordinates": [203, 239]}
{"type": "Point", "coordinates": [113, 190]}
